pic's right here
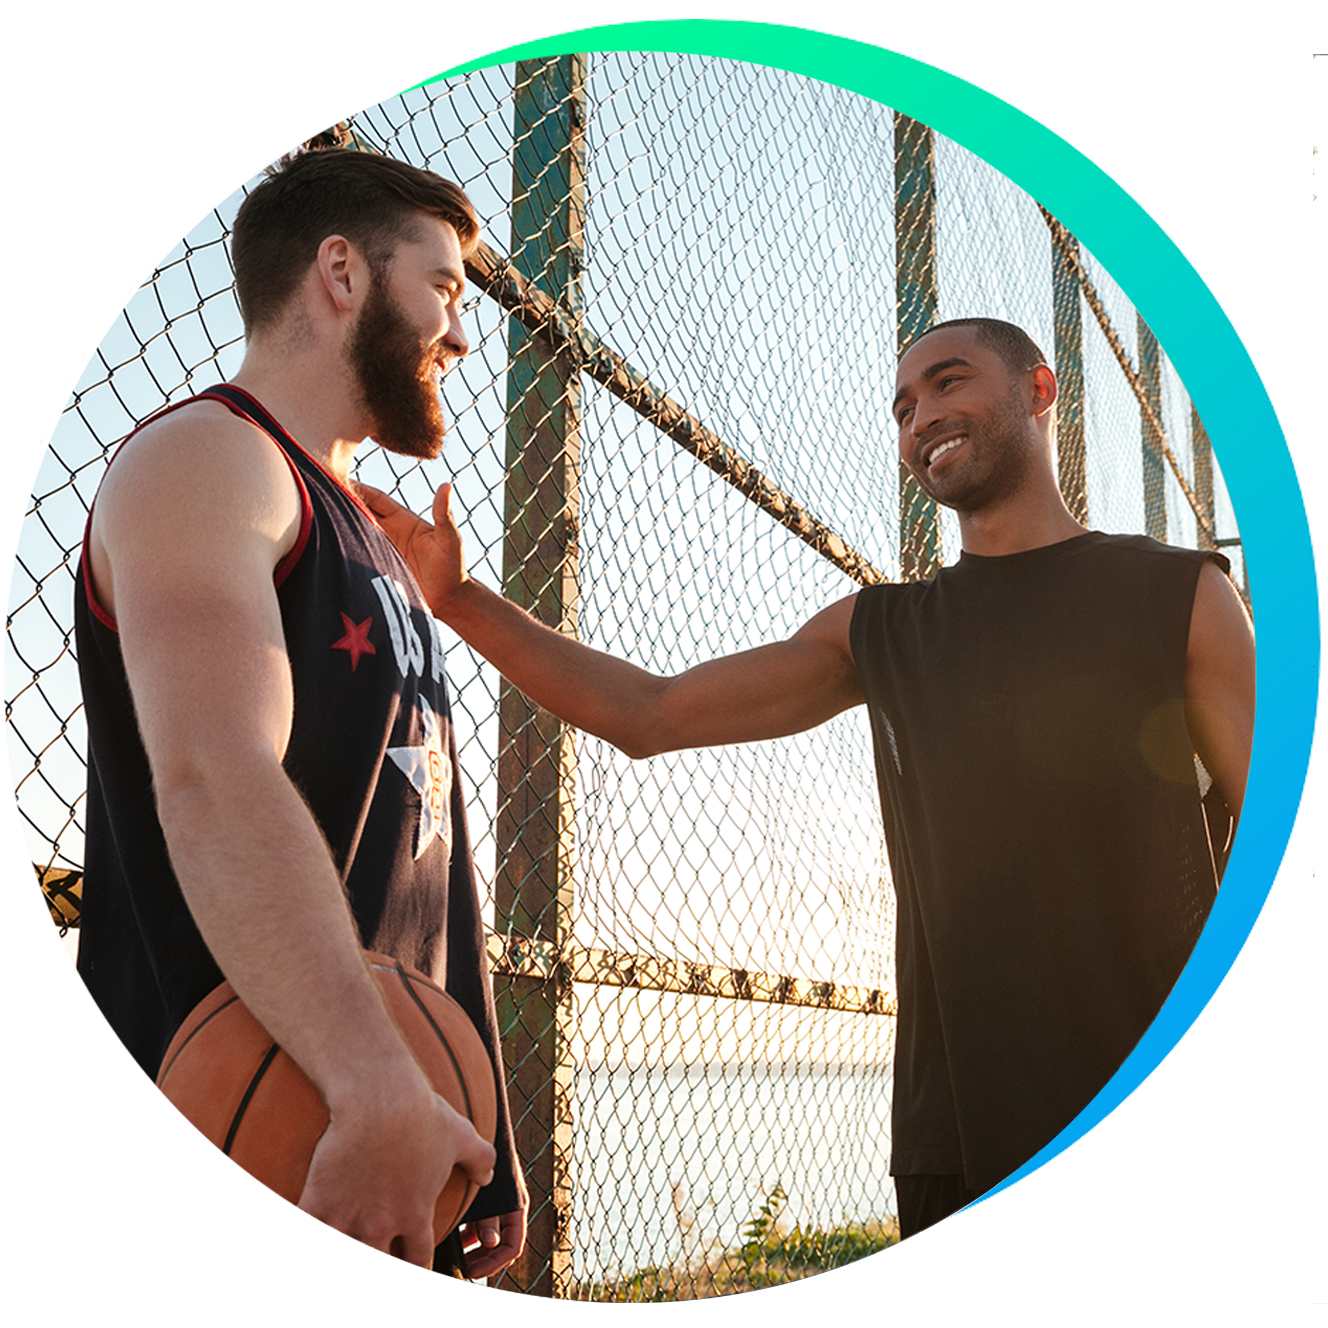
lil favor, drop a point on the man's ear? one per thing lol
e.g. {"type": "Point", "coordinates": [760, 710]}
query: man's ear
{"type": "Point", "coordinates": [1043, 386]}
{"type": "Point", "coordinates": [341, 271]}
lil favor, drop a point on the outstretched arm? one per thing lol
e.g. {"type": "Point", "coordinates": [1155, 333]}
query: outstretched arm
{"type": "Point", "coordinates": [1219, 684]}
{"type": "Point", "coordinates": [768, 692]}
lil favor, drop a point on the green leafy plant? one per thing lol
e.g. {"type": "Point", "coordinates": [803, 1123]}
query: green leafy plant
{"type": "Point", "coordinates": [767, 1257]}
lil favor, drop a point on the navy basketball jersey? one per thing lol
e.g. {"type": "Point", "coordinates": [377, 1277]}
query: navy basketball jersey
{"type": "Point", "coordinates": [372, 751]}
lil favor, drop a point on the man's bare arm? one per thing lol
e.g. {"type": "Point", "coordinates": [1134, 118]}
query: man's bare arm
{"type": "Point", "coordinates": [189, 526]}
{"type": "Point", "coordinates": [1219, 684]}
{"type": "Point", "coordinates": [768, 692]}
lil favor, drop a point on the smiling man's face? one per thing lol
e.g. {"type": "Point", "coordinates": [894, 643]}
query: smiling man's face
{"type": "Point", "coordinates": [967, 429]}
{"type": "Point", "coordinates": [407, 334]}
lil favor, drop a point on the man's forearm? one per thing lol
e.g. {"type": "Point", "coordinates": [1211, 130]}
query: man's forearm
{"type": "Point", "coordinates": [261, 885]}
{"type": "Point", "coordinates": [767, 692]}
{"type": "Point", "coordinates": [263, 889]}
{"type": "Point", "coordinates": [609, 697]}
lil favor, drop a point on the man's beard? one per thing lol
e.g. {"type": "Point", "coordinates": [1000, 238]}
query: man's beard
{"type": "Point", "coordinates": [1001, 464]}
{"type": "Point", "coordinates": [396, 373]}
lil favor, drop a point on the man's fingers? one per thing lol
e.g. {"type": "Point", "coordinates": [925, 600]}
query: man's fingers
{"type": "Point", "coordinates": [383, 1274]}
{"type": "Point", "coordinates": [409, 1282]}
{"type": "Point", "coordinates": [482, 1234]}
{"type": "Point", "coordinates": [477, 1162]}
{"type": "Point", "coordinates": [373, 499]}
{"type": "Point", "coordinates": [475, 1157]}
{"type": "Point", "coordinates": [417, 1249]}
{"type": "Point", "coordinates": [511, 1238]}
{"type": "Point", "coordinates": [442, 507]}
{"type": "Point", "coordinates": [386, 510]}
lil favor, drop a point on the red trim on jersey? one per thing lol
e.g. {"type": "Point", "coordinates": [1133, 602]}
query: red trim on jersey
{"type": "Point", "coordinates": [313, 460]}
{"type": "Point", "coordinates": [97, 611]}
{"type": "Point", "coordinates": [287, 564]}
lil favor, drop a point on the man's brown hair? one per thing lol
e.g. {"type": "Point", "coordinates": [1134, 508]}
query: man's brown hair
{"type": "Point", "coordinates": [372, 201]}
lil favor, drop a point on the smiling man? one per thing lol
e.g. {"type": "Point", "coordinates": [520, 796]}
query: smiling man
{"type": "Point", "coordinates": [273, 782]}
{"type": "Point", "coordinates": [1035, 709]}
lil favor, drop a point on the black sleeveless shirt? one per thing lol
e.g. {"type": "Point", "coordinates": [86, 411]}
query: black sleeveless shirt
{"type": "Point", "coordinates": [372, 750]}
{"type": "Point", "coordinates": [1046, 835]}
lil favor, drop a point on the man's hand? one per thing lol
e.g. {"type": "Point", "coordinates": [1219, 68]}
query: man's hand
{"type": "Point", "coordinates": [380, 1166]}
{"type": "Point", "coordinates": [433, 552]}
{"type": "Point", "coordinates": [494, 1242]}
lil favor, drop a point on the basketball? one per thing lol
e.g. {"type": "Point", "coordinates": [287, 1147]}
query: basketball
{"type": "Point", "coordinates": [230, 1079]}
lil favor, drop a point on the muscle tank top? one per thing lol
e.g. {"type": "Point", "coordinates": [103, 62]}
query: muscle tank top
{"type": "Point", "coordinates": [372, 750]}
{"type": "Point", "coordinates": [1046, 835]}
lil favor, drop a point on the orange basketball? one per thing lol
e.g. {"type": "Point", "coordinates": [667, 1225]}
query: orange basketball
{"type": "Point", "coordinates": [231, 1080]}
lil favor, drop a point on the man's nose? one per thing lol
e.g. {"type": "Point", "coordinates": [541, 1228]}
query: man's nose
{"type": "Point", "coordinates": [924, 419]}
{"type": "Point", "coordinates": [455, 336]}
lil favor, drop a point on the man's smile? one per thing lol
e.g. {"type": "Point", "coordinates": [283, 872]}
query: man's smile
{"type": "Point", "coordinates": [930, 458]}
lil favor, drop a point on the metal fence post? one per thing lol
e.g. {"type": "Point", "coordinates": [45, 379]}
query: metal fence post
{"type": "Point", "coordinates": [1203, 479]}
{"type": "Point", "coordinates": [1067, 316]}
{"type": "Point", "coordinates": [536, 761]}
{"type": "Point", "coordinates": [1154, 463]}
{"type": "Point", "coordinates": [915, 311]}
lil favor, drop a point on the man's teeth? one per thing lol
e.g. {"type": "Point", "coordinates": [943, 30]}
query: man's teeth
{"type": "Point", "coordinates": [946, 447]}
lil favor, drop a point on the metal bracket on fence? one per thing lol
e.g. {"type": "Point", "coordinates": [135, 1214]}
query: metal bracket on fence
{"type": "Point", "coordinates": [518, 956]}
{"type": "Point", "coordinates": [1064, 242]}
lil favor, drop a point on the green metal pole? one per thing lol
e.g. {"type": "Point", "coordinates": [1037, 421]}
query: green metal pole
{"type": "Point", "coordinates": [916, 303]}
{"type": "Point", "coordinates": [1203, 478]}
{"type": "Point", "coordinates": [1154, 464]}
{"type": "Point", "coordinates": [1067, 316]}
{"type": "Point", "coordinates": [536, 760]}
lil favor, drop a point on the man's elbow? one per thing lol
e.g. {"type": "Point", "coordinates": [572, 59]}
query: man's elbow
{"type": "Point", "coordinates": [640, 724]}
{"type": "Point", "coordinates": [639, 751]}
{"type": "Point", "coordinates": [191, 788]}
{"type": "Point", "coordinates": [637, 741]}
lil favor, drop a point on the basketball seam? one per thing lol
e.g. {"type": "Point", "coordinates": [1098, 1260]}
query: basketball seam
{"type": "Point", "coordinates": [248, 1097]}
{"type": "Point", "coordinates": [438, 1032]}
{"type": "Point", "coordinates": [193, 1033]}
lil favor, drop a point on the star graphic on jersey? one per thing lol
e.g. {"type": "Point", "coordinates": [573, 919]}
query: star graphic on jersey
{"type": "Point", "coordinates": [428, 770]}
{"type": "Point", "coordinates": [356, 641]}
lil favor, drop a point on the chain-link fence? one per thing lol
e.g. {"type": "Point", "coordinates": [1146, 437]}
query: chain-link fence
{"type": "Point", "coordinates": [672, 436]}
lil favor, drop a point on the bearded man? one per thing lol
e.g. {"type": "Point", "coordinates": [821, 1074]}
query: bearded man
{"type": "Point", "coordinates": [1035, 711]}
{"type": "Point", "coordinates": [273, 784]}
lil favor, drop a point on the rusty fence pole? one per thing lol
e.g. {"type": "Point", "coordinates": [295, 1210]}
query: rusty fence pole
{"type": "Point", "coordinates": [1067, 317]}
{"type": "Point", "coordinates": [536, 760]}
{"type": "Point", "coordinates": [915, 311]}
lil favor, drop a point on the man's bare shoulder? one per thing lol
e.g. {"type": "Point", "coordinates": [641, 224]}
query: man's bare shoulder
{"type": "Point", "coordinates": [198, 482]}
{"type": "Point", "coordinates": [831, 625]}
{"type": "Point", "coordinates": [191, 449]}
{"type": "Point", "coordinates": [829, 631]}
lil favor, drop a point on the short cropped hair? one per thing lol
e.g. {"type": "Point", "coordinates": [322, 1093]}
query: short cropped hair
{"type": "Point", "coordinates": [1011, 343]}
{"type": "Point", "coordinates": [371, 200]}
